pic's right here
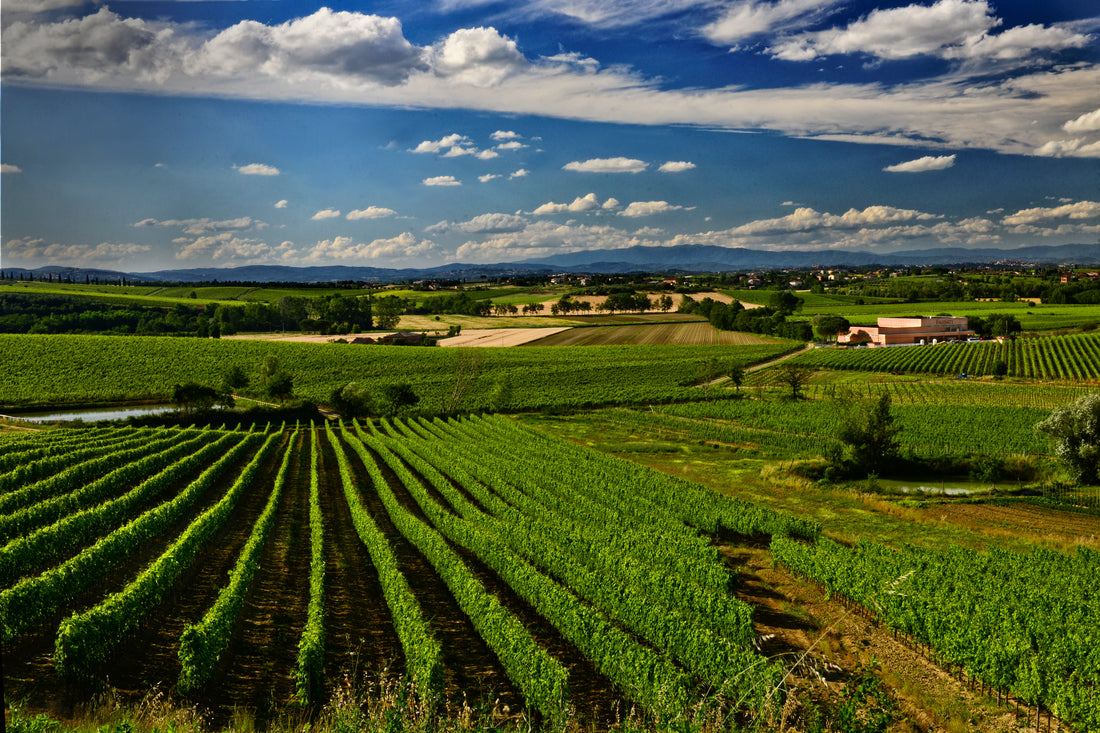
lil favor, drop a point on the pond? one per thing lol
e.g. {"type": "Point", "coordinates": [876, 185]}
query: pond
{"type": "Point", "coordinates": [94, 414]}
{"type": "Point", "coordinates": [946, 487]}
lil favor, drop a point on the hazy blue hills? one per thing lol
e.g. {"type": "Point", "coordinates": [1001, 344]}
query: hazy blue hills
{"type": "Point", "coordinates": [684, 258]}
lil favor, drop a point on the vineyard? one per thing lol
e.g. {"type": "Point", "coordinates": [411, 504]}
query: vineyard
{"type": "Point", "coordinates": [1075, 357]}
{"type": "Point", "coordinates": [81, 369]}
{"type": "Point", "coordinates": [1027, 624]}
{"type": "Point", "coordinates": [780, 428]}
{"type": "Point", "coordinates": [468, 557]}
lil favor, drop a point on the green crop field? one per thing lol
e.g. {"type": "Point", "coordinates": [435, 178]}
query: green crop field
{"type": "Point", "coordinates": [1073, 357]}
{"type": "Point", "coordinates": [77, 369]}
{"type": "Point", "coordinates": [637, 548]}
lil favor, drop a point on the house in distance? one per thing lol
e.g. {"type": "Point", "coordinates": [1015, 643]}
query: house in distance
{"type": "Point", "coordinates": [908, 331]}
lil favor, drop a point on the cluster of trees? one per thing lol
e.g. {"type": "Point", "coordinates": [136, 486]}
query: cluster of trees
{"type": "Point", "coordinates": [770, 320]}
{"type": "Point", "coordinates": [355, 400]}
{"type": "Point", "coordinates": [21, 313]}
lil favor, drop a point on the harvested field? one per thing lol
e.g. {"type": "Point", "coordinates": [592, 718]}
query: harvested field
{"type": "Point", "coordinates": [1042, 524]}
{"type": "Point", "coordinates": [500, 336]}
{"type": "Point", "coordinates": [665, 334]}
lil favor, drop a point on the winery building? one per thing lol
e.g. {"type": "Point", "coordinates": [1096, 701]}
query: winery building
{"type": "Point", "coordinates": [908, 331]}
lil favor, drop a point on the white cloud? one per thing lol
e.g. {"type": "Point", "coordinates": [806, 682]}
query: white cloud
{"type": "Point", "coordinates": [502, 135]}
{"type": "Point", "coordinates": [521, 173]}
{"type": "Point", "coordinates": [326, 44]}
{"type": "Point", "coordinates": [37, 253]}
{"type": "Point", "coordinates": [9, 168]}
{"type": "Point", "coordinates": [371, 212]}
{"type": "Point", "coordinates": [483, 224]}
{"type": "Point", "coordinates": [281, 204]}
{"type": "Point", "coordinates": [198, 227]}
{"type": "Point", "coordinates": [480, 57]}
{"type": "Point", "coordinates": [1015, 114]}
{"type": "Point", "coordinates": [611, 204]}
{"type": "Point", "coordinates": [743, 19]}
{"type": "Point", "coordinates": [325, 214]}
{"type": "Point", "coordinates": [648, 208]}
{"type": "Point", "coordinates": [511, 145]}
{"type": "Point", "coordinates": [488, 177]}
{"type": "Point", "coordinates": [920, 165]}
{"type": "Point", "coordinates": [487, 155]}
{"type": "Point", "coordinates": [607, 165]}
{"type": "Point", "coordinates": [1077, 210]}
{"type": "Point", "coordinates": [1088, 122]}
{"type": "Point", "coordinates": [949, 29]}
{"type": "Point", "coordinates": [442, 181]}
{"type": "Point", "coordinates": [448, 142]}
{"type": "Point", "coordinates": [257, 169]}
{"type": "Point", "coordinates": [345, 249]}
{"type": "Point", "coordinates": [676, 166]}
{"type": "Point", "coordinates": [588, 202]}
{"type": "Point", "coordinates": [1076, 147]}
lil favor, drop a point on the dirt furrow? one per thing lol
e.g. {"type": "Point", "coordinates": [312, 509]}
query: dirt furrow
{"type": "Point", "coordinates": [262, 657]}
{"type": "Point", "coordinates": [471, 670]}
{"type": "Point", "coordinates": [360, 639]}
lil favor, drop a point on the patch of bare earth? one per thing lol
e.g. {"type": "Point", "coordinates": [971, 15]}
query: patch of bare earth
{"type": "Point", "coordinates": [1034, 522]}
{"type": "Point", "coordinates": [825, 640]}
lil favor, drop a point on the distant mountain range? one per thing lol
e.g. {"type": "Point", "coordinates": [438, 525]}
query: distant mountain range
{"type": "Point", "coordinates": [689, 258]}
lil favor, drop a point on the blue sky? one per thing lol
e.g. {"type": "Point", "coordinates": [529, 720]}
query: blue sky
{"type": "Point", "coordinates": [148, 135]}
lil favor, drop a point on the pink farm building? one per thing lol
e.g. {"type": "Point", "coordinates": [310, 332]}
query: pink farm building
{"type": "Point", "coordinates": [908, 331]}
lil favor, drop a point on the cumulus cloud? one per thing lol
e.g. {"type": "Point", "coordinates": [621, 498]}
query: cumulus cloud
{"type": "Point", "coordinates": [521, 173]}
{"type": "Point", "coordinates": [611, 204]}
{"type": "Point", "coordinates": [743, 19]}
{"type": "Point", "coordinates": [446, 143]}
{"type": "Point", "coordinates": [257, 169]}
{"type": "Point", "coordinates": [648, 208]}
{"type": "Point", "coordinates": [949, 29]}
{"type": "Point", "coordinates": [1076, 147]}
{"type": "Point", "coordinates": [488, 177]}
{"type": "Point", "coordinates": [503, 135]}
{"type": "Point", "coordinates": [1076, 210]}
{"type": "Point", "coordinates": [325, 214]}
{"type": "Point", "coordinates": [346, 249]}
{"type": "Point", "coordinates": [326, 44]}
{"type": "Point", "coordinates": [607, 165]}
{"type": "Point", "coordinates": [9, 168]}
{"type": "Point", "coordinates": [676, 166]}
{"type": "Point", "coordinates": [442, 181]}
{"type": "Point", "coordinates": [588, 202]}
{"type": "Point", "coordinates": [1088, 122]}
{"type": "Point", "coordinates": [281, 204]}
{"type": "Point", "coordinates": [198, 227]}
{"type": "Point", "coordinates": [371, 212]}
{"type": "Point", "coordinates": [480, 57]}
{"type": "Point", "coordinates": [920, 165]}
{"type": "Point", "coordinates": [33, 252]}
{"type": "Point", "coordinates": [511, 145]}
{"type": "Point", "coordinates": [1015, 114]}
{"type": "Point", "coordinates": [483, 224]}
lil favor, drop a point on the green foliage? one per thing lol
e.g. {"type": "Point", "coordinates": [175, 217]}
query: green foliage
{"type": "Point", "coordinates": [1071, 357]}
{"type": "Point", "coordinates": [1019, 622]}
{"type": "Point", "coordinates": [309, 674]}
{"type": "Point", "coordinates": [397, 397]}
{"type": "Point", "coordinates": [793, 377]}
{"type": "Point", "coordinates": [869, 436]}
{"type": "Point", "coordinates": [826, 327]}
{"type": "Point", "coordinates": [352, 400]}
{"type": "Point", "coordinates": [73, 369]}
{"type": "Point", "coordinates": [1075, 429]}
{"type": "Point", "coordinates": [87, 639]}
{"type": "Point", "coordinates": [202, 645]}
